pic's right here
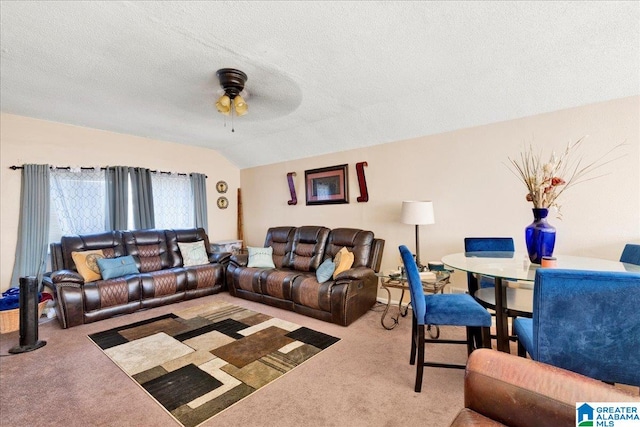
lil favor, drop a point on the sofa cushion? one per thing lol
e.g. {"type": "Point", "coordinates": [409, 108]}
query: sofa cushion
{"type": "Point", "coordinates": [149, 249]}
{"type": "Point", "coordinates": [307, 248]}
{"type": "Point", "coordinates": [343, 261]}
{"type": "Point", "coordinates": [281, 240]}
{"type": "Point", "coordinates": [325, 271]}
{"type": "Point", "coordinates": [359, 243]}
{"type": "Point", "coordinates": [117, 267]}
{"type": "Point", "coordinates": [260, 257]}
{"type": "Point", "coordinates": [307, 292]}
{"type": "Point", "coordinates": [110, 243]}
{"type": "Point", "coordinates": [193, 253]}
{"type": "Point", "coordinates": [277, 283]}
{"type": "Point", "coordinates": [184, 236]}
{"type": "Point", "coordinates": [87, 265]}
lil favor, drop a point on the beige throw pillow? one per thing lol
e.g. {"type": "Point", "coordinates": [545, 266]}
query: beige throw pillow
{"type": "Point", "coordinates": [193, 253]}
{"type": "Point", "coordinates": [343, 261]}
{"type": "Point", "coordinates": [87, 265]}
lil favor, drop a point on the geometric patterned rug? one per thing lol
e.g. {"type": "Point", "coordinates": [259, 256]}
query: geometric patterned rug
{"type": "Point", "coordinates": [199, 361]}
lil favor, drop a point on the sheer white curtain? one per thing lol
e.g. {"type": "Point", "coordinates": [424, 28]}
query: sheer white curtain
{"type": "Point", "coordinates": [79, 202]}
{"type": "Point", "coordinates": [172, 201]}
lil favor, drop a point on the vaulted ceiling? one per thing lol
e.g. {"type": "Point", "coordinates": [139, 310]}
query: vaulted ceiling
{"type": "Point", "coordinates": [322, 76]}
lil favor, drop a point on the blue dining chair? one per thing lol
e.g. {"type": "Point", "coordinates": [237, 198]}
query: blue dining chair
{"type": "Point", "coordinates": [586, 322]}
{"type": "Point", "coordinates": [631, 254]}
{"type": "Point", "coordinates": [439, 310]}
{"type": "Point", "coordinates": [486, 244]}
{"type": "Point", "coordinates": [498, 246]}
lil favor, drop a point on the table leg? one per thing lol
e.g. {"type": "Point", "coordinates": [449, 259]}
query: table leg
{"type": "Point", "coordinates": [502, 326]}
{"type": "Point", "coordinates": [386, 310]}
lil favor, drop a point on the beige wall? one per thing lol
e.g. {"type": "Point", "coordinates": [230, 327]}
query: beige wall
{"type": "Point", "coordinates": [27, 140]}
{"type": "Point", "coordinates": [464, 172]}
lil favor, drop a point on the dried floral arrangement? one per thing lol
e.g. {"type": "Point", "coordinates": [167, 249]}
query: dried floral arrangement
{"type": "Point", "coordinates": [547, 180]}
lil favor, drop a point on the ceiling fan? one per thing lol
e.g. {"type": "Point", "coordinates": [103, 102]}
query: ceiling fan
{"type": "Point", "coordinates": [232, 101]}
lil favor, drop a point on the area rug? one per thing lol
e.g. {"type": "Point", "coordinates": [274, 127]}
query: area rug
{"type": "Point", "coordinates": [199, 361]}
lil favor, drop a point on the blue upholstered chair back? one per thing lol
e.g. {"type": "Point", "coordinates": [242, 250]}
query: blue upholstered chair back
{"type": "Point", "coordinates": [486, 244]}
{"type": "Point", "coordinates": [415, 285]}
{"type": "Point", "coordinates": [588, 322]}
{"type": "Point", "coordinates": [631, 254]}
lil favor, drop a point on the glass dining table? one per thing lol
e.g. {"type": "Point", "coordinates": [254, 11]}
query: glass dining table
{"type": "Point", "coordinates": [515, 266]}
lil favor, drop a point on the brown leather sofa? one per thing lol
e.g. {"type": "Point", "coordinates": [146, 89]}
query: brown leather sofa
{"type": "Point", "coordinates": [162, 279]}
{"type": "Point", "coordinates": [292, 285]}
{"type": "Point", "coordinates": [501, 389]}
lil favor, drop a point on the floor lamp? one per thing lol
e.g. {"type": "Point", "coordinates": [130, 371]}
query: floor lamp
{"type": "Point", "coordinates": [418, 213]}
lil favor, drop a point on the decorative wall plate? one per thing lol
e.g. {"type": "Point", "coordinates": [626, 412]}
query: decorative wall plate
{"type": "Point", "coordinates": [223, 203]}
{"type": "Point", "coordinates": [221, 186]}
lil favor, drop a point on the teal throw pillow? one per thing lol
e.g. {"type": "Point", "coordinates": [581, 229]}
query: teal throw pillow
{"type": "Point", "coordinates": [325, 271]}
{"type": "Point", "coordinates": [260, 257]}
{"type": "Point", "coordinates": [110, 268]}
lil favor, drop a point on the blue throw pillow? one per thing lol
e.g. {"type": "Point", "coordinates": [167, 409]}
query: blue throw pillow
{"type": "Point", "coordinates": [325, 271]}
{"type": "Point", "coordinates": [110, 268]}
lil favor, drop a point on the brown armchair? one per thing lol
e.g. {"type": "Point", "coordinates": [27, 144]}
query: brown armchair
{"type": "Point", "coordinates": [505, 390]}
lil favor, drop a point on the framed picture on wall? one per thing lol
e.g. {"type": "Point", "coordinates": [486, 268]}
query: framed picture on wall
{"type": "Point", "coordinates": [327, 185]}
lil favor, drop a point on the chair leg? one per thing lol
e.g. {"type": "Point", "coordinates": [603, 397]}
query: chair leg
{"type": "Point", "coordinates": [414, 338]}
{"type": "Point", "coordinates": [485, 337]}
{"type": "Point", "coordinates": [521, 350]}
{"type": "Point", "coordinates": [420, 364]}
{"type": "Point", "coordinates": [471, 337]}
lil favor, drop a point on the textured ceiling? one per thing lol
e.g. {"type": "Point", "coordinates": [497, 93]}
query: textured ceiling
{"type": "Point", "coordinates": [323, 76]}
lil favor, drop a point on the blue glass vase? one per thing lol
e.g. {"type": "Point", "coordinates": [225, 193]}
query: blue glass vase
{"type": "Point", "coordinates": [540, 236]}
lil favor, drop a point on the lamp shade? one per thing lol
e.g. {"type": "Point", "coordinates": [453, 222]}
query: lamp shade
{"type": "Point", "coordinates": [224, 105]}
{"type": "Point", "coordinates": [240, 105]}
{"type": "Point", "coordinates": [418, 212]}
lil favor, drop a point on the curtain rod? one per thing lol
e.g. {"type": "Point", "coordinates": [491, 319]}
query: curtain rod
{"type": "Point", "coordinates": [14, 167]}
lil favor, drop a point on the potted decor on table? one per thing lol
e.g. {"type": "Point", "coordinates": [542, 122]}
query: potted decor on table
{"type": "Point", "coordinates": [545, 182]}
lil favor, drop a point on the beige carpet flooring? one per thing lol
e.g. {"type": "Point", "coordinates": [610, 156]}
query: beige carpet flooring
{"type": "Point", "coordinates": [363, 380]}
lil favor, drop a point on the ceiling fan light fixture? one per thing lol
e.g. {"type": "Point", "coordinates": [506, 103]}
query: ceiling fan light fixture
{"type": "Point", "coordinates": [224, 105]}
{"type": "Point", "coordinates": [232, 82]}
{"type": "Point", "coordinates": [240, 106]}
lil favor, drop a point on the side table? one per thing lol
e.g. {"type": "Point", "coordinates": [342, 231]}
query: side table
{"type": "Point", "coordinates": [398, 281]}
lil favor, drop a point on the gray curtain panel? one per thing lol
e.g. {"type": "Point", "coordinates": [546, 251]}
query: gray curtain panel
{"type": "Point", "coordinates": [33, 228]}
{"type": "Point", "coordinates": [117, 197]}
{"type": "Point", "coordinates": [199, 191]}
{"type": "Point", "coordinates": [143, 216]}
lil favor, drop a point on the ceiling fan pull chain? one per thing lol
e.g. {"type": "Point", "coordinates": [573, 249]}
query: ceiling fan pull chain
{"type": "Point", "coordinates": [232, 108]}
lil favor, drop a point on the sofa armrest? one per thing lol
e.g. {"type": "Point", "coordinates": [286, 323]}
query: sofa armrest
{"type": "Point", "coordinates": [220, 257]}
{"type": "Point", "coordinates": [68, 276]}
{"type": "Point", "coordinates": [520, 392]}
{"type": "Point", "coordinates": [239, 260]}
{"type": "Point", "coordinates": [357, 273]}
{"type": "Point", "coordinates": [70, 304]}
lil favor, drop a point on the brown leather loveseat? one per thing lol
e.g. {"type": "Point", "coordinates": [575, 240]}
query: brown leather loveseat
{"type": "Point", "coordinates": [292, 284]}
{"type": "Point", "coordinates": [162, 278]}
{"type": "Point", "coordinates": [501, 389]}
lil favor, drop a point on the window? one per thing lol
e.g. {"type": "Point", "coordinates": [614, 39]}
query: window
{"type": "Point", "coordinates": [172, 201]}
{"type": "Point", "coordinates": [78, 202]}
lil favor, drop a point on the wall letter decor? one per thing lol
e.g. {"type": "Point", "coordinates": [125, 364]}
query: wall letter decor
{"type": "Point", "coordinates": [292, 189]}
{"type": "Point", "coordinates": [362, 182]}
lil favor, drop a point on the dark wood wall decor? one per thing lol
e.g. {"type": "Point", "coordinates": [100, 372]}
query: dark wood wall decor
{"type": "Point", "coordinates": [327, 185]}
{"type": "Point", "coordinates": [292, 189]}
{"type": "Point", "coordinates": [362, 182]}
